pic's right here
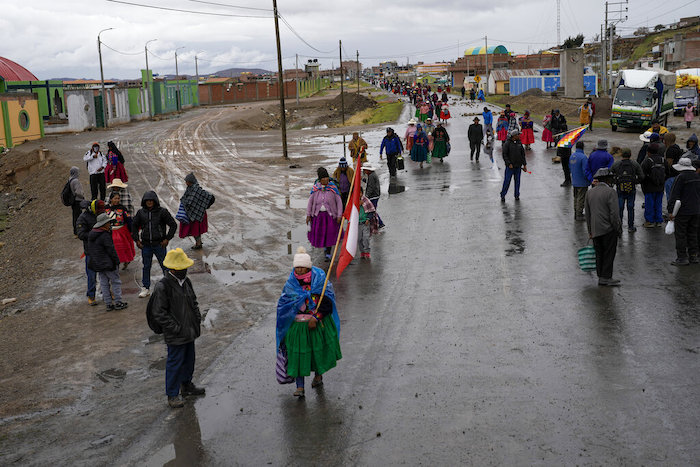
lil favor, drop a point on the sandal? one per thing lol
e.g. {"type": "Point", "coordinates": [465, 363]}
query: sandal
{"type": "Point", "coordinates": [196, 247]}
{"type": "Point", "coordinates": [299, 392]}
{"type": "Point", "coordinates": [317, 381]}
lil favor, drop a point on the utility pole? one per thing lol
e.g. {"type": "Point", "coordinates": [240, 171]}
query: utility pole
{"type": "Point", "coordinates": [102, 76]}
{"type": "Point", "coordinates": [342, 95]}
{"type": "Point", "coordinates": [148, 80]}
{"type": "Point", "coordinates": [603, 63]}
{"type": "Point", "coordinates": [177, 77]}
{"type": "Point", "coordinates": [281, 81]}
{"type": "Point", "coordinates": [558, 23]}
{"type": "Point", "coordinates": [357, 60]}
{"type": "Point", "coordinates": [296, 75]}
{"type": "Point", "coordinates": [486, 44]}
{"type": "Point", "coordinates": [610, 31]}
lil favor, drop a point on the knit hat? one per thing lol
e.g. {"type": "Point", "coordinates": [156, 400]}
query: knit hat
{"type": "Point", "coordinates": [322, 173]}
{"type": "Point", "coordinates": [602, 144]}
{"type": "Point", "coordinates": [302, 259]}
{"type": "Point", "coordinates": [97, 206]}
{"type": "Point", "coordinates": [191, 178]}
{"type": "Point", "coordinates": [177, 260]}
{"type": "Point", "coordinates": [602, 173]}
{"type": "Point", "coordinates": [342, 163]}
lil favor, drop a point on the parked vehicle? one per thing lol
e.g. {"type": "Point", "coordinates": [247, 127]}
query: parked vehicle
{"type": "Point", "coordinates": [641, 97]}
{"type": "Point", "coordinates": [687, 89]}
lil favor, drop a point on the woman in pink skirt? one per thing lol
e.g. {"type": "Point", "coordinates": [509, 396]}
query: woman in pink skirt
{"type": "Point", "coordinates": [324, 212]}
{"type": "Point", "coordinates": [547, 132]}
{"type": "Point", "coordinates": [195, 203]}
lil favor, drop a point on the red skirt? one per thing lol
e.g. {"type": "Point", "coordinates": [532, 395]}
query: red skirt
{"type": "Point", "coordinates": [527, 136]}
{"type": "Point", "coordinates": [547, 136]}
{"type": "Point", "coordinates": [502, 134]}
{"type": "Point", "coordinates": [194, 228]}
{"type": "Point", "coordinates": [124, 244]}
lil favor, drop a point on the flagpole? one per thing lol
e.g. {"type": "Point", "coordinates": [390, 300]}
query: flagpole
{"type": "Point", "coordinates": [340, 232]}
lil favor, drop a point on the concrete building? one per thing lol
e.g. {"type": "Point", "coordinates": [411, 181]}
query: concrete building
{"type": "Point", "coordinates": [682, 51]}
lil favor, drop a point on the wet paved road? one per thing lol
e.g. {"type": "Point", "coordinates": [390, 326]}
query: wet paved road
{"type": "Point", "coordinates": [472, 338]}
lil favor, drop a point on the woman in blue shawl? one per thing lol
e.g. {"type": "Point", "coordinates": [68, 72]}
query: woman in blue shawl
{"type": "Point", "coordinates": [419, 150]}
{"type": "Point", "coordinates": [306, 331]}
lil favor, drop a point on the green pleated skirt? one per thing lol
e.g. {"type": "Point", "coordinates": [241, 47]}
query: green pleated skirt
{"type": "Point", "coordinates": [310, 350]}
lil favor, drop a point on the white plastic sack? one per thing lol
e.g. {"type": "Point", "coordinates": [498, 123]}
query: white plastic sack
{"type": "Point", "coordinates": [670, 227]}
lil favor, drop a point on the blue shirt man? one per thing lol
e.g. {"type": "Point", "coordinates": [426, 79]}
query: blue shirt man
{"type": "Point", "coordinates": [600, 158]}
{"type": "Point", "coordinates": [488, 116]}
{"type": "Point", "coordinates": [578, 164]}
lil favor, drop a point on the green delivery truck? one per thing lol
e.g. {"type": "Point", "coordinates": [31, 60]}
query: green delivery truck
{"type": "Point", "coordinates": [641, 97]}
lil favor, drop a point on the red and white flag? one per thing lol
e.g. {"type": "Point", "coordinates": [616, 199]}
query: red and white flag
{"type": "Point", "coordinates": [352, 214]}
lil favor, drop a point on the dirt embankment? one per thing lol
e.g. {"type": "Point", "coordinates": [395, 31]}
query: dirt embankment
{"type": "Point", "coordinates": [540, 103]}
{"type": "Point", "coordinates": [308, 113]}
{"type": "Point", "coordinates": [31, 215]}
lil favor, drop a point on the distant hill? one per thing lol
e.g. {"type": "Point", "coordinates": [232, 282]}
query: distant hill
{"type": "Point", "coordinates": [236, 72]}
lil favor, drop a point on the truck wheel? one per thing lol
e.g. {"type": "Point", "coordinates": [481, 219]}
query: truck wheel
{"type": "Point", "coordinates": [613, 127]}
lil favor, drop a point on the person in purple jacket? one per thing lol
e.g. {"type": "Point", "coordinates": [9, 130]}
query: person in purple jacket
{"type": "Point", "coordinates": [599, 158]}
{"type": "Point", "coordinates": [324, 212]}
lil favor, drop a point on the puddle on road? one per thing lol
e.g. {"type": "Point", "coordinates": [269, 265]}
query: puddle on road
{"type": "Point", "coordinates": [517, 244]}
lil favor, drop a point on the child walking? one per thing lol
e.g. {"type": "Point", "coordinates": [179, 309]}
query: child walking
{"type": "Point", "coordinates": [105, 261]}
{"type": "Point", "coordinates": [368, 225]}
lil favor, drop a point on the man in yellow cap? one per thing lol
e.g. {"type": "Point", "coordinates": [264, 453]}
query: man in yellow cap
{"type": "Point", "coordinates": [174, 308]}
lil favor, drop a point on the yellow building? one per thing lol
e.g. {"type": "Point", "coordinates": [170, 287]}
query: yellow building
{"type": "Point", "coordinates": [20, 119]}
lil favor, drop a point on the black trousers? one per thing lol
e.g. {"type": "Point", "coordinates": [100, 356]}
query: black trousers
{"type": "Point", "coordinates": [605, 249]}
{"type": "Point", "coordinates": [686, 228]}
{"type": "Point", "coordinates": [97, 182]}
{"type": "Point", "coordinates": [475, 147]}
{"type": "Point", "coordinates": [76, 213]}
{"type": "Point", "coordinates": [564, 155]}
{"type": "Point", "coordinates": [391, 163]}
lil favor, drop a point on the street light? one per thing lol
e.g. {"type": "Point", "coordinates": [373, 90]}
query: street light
{"type": "Point", "coordinates": [196, 72]}
{"type": "Point", "coordinates": [148, 81]}
{"type": "Point", "coordinates": [177, 94]}
{"type": "Point", "coordinates": [102, 76]}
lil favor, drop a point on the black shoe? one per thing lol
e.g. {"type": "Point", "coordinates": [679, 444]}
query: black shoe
{"type": "Point", "coordinates": [109, 308]}
{"type": "Point", "coordinates": [175, 402]}
{"type": "Point", "coordinates": [517, 198]}
{"type": "Point", "coordinates": [680, 262]}
{"type": "Point", "coordinates": [566, 183]}
{"type": "Point", "coordinates": [694, 260]}
{"type": "Point", "coordinates": [189, 389]}
{"type": "Point", "coordinates": [120, 305]}
{"type": "Point", "coordinates": [503, 200]}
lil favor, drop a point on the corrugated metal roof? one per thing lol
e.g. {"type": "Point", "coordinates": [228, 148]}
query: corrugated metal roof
{"type": "Point", "coordinates": [11, 71]}
{"type": "Point", "coordinates": [216, 80]}
{"type": "Point", "coordinates": [76, 82]}
{"type": "Point", "coordinates": [505, 75]}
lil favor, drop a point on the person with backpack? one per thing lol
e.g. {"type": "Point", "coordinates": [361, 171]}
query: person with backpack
{"type": "Point", "coordinates": [628, 173]}
{"type": "Point", "coordinates": [72, 195]}
{"type": "Point", "coordinates": [654, 168]}
{"type": "Point", "coordinates": [686, 189]}
{"type": "Point", "coordinates": [673, 154]}
{"type": "Point", "coordinates": [84, 226]}
{"type": "Point", "coordinates": [104, 260]}
{"type": "Point", "coordinates": [173, 311]}
{"type": "Point", "coordinates": [577, 165]}
{"type": "Point", "coordinates": [149, 232]}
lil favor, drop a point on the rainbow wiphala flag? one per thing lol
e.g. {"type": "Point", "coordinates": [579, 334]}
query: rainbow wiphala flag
{"type": "Point", "coordinates": [569, 138]}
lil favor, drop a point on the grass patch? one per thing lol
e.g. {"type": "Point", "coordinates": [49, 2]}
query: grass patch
{"type": "Point", "coordinates": [644, 48]}
{"type": "Point", "coordinates": [348, 86]}
{"type": "Point", "coordinates": [382, 113]}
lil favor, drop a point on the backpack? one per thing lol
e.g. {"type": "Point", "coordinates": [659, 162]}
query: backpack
{"type": "Point", "coordinates": [152, 323]}
{"type": "Point", "coordinates": [626, 177]}
{"type": "Point", "coordinates": [67, 196]}
{"type": "Point", "coordinates": [657, 173]}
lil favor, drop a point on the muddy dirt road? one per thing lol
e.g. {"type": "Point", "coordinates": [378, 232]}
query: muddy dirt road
{"type": "Point", "coordinates": [471, 337]}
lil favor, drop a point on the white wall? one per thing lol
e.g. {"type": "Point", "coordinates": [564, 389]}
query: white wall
{"type": "Point", "coordinates": [119, 111]}
{"type": "Point", "coordinates": [80, 105]}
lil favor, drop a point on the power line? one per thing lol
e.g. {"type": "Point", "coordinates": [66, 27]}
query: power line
{"type": "Point", "coordinates": [284, 20]}
{"type": "Point", "coordinates": [120, 52]}
{"type": "Point", "coordinates": [231, 6]}
{"type": "Point", "coordinates": [669, 11]}
{"type": "Point", "coordinates": [186, 11]}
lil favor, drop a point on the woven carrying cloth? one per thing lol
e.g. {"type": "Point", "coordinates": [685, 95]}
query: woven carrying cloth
{"type": "Point", "coordinates": [196, 201]}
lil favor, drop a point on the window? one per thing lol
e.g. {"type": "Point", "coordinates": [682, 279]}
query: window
{"type": "Point", "coordinates": [23, 120]}
{"type": "Point", "coordinates": [506, 87]}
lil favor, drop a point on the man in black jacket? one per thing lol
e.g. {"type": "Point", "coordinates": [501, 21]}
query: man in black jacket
{"type": "Point", "coordinates": [151, 221]}
{"type": "Point", "coordinates": [558, 125]}
{"type": "Point", "coordinates": [104, 259]}
{"type": "Point", "coordinates": [475, 133]}
{"type": "Point", "coordinates": [686, 189]}
{"type": "Point", "coordinates": [174, 307]}
{"type": "Point", "coordinates": [514, 158]}
{"type": "Point", "coordinates": [83, 226]}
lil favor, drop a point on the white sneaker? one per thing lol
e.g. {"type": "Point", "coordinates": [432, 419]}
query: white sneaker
{"type": "Point", "coordinates": [144, 292]}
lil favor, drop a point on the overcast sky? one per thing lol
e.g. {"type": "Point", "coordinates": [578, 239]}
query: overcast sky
{"type": "Point", "coordinates": [56, 39]}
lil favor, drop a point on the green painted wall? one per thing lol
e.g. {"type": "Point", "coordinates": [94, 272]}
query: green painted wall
{"type": "Point", "coordinates": [134, 97]}
{"type": "Point", "coordinates": [46, 92]}
{"type": "Point", "coordinates": [165, 95]}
